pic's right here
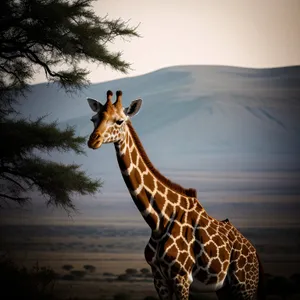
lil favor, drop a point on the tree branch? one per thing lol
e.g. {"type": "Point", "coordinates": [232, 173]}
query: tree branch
{"type": "Point", "coordinates": [13, 181]}
{"type": "Point", "coordinates": [18, 199]}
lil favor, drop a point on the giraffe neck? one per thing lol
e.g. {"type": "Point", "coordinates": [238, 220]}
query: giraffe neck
{"type": "Point", "coordinates": [157, 198]}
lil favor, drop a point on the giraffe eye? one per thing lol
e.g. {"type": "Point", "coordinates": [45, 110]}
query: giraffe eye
{"type": "Point", "coordinates": [119, 122]}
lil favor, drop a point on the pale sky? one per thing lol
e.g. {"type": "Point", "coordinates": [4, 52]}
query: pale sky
{"type": "Point", "coordinates": [245, 33]}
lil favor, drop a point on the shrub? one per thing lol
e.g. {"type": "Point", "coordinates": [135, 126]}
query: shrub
{"type": "Point", "coordinates": [145, 271]}
{"type": "Point", "coordinates": [123, 277]}
{"type": "Point", "coordinates": [131, 271]}
{"type": "Point", "coordinates": [67, 267]}
{"type": "Point", "coordinates": [90, 268]}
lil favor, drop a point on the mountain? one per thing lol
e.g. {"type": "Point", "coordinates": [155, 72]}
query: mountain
{"type": "Point", "coordinates": [193, 118]}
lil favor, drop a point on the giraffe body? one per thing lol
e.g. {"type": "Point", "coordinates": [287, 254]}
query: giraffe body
{"type": "Point", "coordinates": [188, 250]}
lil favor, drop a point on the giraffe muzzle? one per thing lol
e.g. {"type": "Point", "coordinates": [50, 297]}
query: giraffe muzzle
{"type": "Point", "coordinates": [95, 141]}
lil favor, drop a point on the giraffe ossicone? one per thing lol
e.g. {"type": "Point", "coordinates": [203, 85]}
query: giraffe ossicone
{"type": "Point", "coordinates": [188, 250]}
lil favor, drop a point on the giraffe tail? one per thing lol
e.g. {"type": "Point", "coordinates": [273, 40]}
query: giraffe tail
{"type": "Point", "coordinates": [261, 293]}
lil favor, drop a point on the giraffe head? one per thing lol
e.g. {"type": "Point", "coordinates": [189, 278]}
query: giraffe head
{"type": "Point", "coordinates": [110, 119]}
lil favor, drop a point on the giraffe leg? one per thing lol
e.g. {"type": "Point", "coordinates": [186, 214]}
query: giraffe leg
{"type": "Point", "coordinates": [182, 287]}
{"type": "Point", "coordinates": [161, 285]}
{"type": "Point", "coordinates": [163, 289]}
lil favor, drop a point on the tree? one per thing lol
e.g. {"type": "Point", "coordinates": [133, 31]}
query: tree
{"type": "Point", "coordinates": [57, 36]}
{"type": "Point", "coordinates": [123, 277]}
{"type": "Point", "coordinates": [144, 271]}
{"type": "Point", "coordinates": [67, 267]}
{"type": "Point", "coordinates": [90, 268]}
{"type": "Point", "coordinates": [131, 271]}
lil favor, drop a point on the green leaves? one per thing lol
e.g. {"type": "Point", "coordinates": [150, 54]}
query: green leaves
{"type": "Point", "coordinates": [57, 181]}
{"type": "Point", "coordinates": [53, 33]}
{"type": "Point", "coordinates": [55, 36]}
{"type": "Point", "coordinates": [22, 136]}
{"type": "Point", "coordinates": [25, 171]}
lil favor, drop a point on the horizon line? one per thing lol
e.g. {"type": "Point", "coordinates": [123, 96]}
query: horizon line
{"type": "Point", "coordinates": [184, 65]}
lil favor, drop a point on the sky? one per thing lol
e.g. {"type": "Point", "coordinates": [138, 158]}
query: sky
{"type": "Point", "coordinates": [245, 33]}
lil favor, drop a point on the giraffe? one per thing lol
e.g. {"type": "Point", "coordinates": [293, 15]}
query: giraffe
{"type": "Point", "coordinates": [188, 250]}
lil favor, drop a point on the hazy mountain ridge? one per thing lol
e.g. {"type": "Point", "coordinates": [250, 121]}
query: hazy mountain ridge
{"type": "Point", "coordinates": [205, 81]}
{"type": "Point", "coordinates": [193, 118]}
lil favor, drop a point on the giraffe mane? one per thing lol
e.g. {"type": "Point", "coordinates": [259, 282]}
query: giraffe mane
{"type": "Point", "coordinates": [190, 192]}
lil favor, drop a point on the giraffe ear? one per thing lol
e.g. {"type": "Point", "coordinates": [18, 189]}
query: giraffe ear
{"type": "Point", "coordinates": [94, 104]}
{"type": "Point", "coordinates": [133, 108]}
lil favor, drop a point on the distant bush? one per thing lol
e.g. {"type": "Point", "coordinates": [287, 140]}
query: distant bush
{"type": "Point", "coordinates": [67, 267]}
{"type": "Point", "coordinates": [131, 271]}
{"type": "Point", "coordinates": [145, 271]}
{"type": "Point", "coordinates": [123, 277]}
{"type": "Point", "coordinates": [90, 268]}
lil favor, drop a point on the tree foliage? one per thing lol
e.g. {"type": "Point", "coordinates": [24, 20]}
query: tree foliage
{"type": "Point", "coordinates": [145, 271]}
{"type": "Point", "coordinates": [131, 271]}
{"type": "Point", "coordinates": [90, 268]}
{"type": "Point", "coordinates": [67, 267]}
{"type": "Point", "coordinates": [57, 36]}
